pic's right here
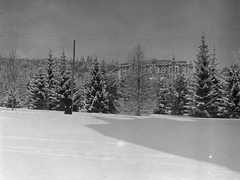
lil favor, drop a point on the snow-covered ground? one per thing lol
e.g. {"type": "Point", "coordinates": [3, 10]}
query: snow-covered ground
{"type": "Point", "coordinates": [50, 145]}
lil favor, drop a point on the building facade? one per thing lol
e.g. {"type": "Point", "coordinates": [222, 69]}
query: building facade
{"type": "Point", "coordinates": [162, 68]}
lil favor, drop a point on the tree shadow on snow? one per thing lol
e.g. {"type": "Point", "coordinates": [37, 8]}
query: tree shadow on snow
{"type": "Point", "coordinates": [197, 139]}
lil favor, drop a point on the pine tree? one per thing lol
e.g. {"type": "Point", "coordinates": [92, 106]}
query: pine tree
{"type": "Point", "coordinates": [95, 93]}
{"type": "Point", "coordinates": [179, 96]}
{"type": "Point", "coordinates": [52, 84]}
{"type": "Point", "coordinates": [202, 95]}
{"type": "Point", "coordinates": [37, 91]}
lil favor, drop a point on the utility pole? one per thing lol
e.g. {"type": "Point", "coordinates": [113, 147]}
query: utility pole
{"type": "Point", "coordinates": [73, 63]}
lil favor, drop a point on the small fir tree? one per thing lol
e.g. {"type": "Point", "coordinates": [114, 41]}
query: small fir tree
{"type": "Point", "coordinates": [37, 91]}
{"type": "Point", "coordinates": [112, 93]}
{"type": "Point", "coordinates": [110, 84]}
{"type": "Point", "coordinates": [179, 96]}
{"type": "Point", "coordinates": [163, 95]}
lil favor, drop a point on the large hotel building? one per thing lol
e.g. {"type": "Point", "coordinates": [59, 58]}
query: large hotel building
{"type": "Point", "coordinates": [162, 68]}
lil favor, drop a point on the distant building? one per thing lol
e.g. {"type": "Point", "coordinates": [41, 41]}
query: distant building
{"type": "Point", "coordinates": [162, 68]}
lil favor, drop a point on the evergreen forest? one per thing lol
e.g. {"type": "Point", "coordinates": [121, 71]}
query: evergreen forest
{"type": "Point", "coordinates": [96, 87]}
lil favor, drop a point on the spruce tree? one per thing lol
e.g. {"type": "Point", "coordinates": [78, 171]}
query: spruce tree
{"type": "Point", "coordinates": [64, 80]}
{"type": "Point", "coordinates": [179, 96]}
{"type": "Point", "coordinates": [95, 93]}
{"type": "Point", "coordinates": [229, 104]}
{"type": "Point", "coordinates": [104, 83]}
{"type": "Point", "coordinates": [113, 93]}
{"type": "Point", "coordinates": [52, 84]}
{"type": "Point", "coordinates": [221, 101]}
{"type": "Point", "coordinates": [229, 100]}
{"type": "Point", "coordinates": [63, 64]}
{"type": "Point", "coordinates": [216, 86]}
{"type": "Point", "coordinates": [109, 81]}
{"type": "Point", "coordinates": [163, 96]}
{"type": "Point", "coordinates": [28, 92]}
{"type": "Point", "coordinates": [65, 86]}
{"type": "Point", "coordinates": [202, 95]}
{"type": "Point", "coordinates": [37, 91]}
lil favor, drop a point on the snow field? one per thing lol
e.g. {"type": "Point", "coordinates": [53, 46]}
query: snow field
{"type": "Point", "coordinates": [50, 145]}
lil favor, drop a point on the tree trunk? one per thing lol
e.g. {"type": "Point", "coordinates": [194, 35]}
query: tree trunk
{"type": "Point", "coordinates": [12, 104]}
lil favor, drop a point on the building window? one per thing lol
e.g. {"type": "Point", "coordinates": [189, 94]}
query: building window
{"type": "Point", "coordinates": [163, 70]}
{"type": "Point", "coordinates": [183, 69]}
{"type": "Point", "coordinates": [150, 69]}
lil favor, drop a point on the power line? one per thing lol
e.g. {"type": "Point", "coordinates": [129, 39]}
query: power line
{"type": "Point", "coordinates": [71, 27]}
{"type": "Point", "coordinates": [67, 28]}
{"type": "Point", "coordinates": [147, 37]}
{"type": "Point", "coordinates": [154, 42]}
{"type": "Point", "coordinates": [137, 37]}
{"type": "Point", "coordinates": [19, 10]}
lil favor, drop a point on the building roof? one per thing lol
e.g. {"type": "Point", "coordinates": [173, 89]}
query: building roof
{"type": "Point", "coordinates": [163, 61]}
{"type": "Point", "coordinates": [166, 61]}
{"type": "Point", "coordinates": [156, 61]}
{"type": "Point", "coordinates": [153, 61]}
{"type": "Point", "coordinates": [182, 61]}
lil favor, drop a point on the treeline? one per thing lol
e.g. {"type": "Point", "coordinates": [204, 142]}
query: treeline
{"type": "Point", "coordinates": [21, 78]}
{"type": "Point", "coordinates": [43, 84]}
{"type": "Point", "coordinates": [211, 92]}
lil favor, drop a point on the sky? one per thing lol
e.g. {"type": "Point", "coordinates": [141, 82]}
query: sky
{"type": "Point", "coordinates": [110, 29]}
